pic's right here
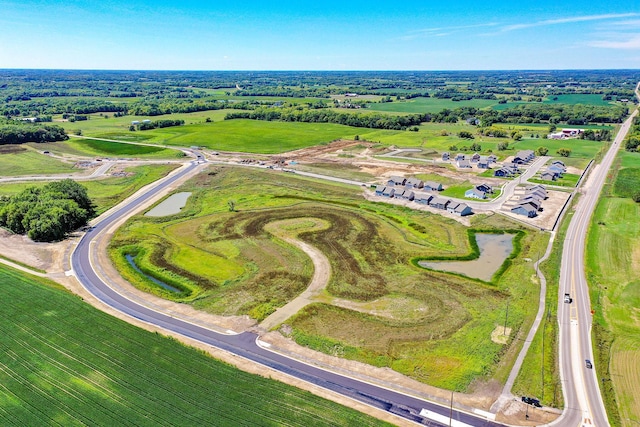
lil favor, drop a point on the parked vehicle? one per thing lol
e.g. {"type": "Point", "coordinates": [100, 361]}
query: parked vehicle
{"type": "Point", "coordinates": [531, 401]}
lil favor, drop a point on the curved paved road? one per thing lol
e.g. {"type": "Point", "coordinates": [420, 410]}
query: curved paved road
{"type": "Point", "coordinates": [246, 344]}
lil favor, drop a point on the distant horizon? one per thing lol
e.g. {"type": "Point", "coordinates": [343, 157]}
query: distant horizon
{"type": "Point", "coordinates": [324, 71]}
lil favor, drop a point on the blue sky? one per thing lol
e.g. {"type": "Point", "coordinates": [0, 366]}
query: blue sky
{"type": "Point", "coordinates": [319, 35]}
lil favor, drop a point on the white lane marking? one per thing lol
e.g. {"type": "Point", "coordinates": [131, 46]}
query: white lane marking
{"type": "Point", "coordinates": [442, 419]}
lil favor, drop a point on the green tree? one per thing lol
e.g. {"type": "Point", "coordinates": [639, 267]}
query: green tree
{"type": "Point", "coordinates": [503, 145]}
{"type": "Point", "coordinates": [465, 134]}
{"type": "Point", "coordinates": [542, 151]}
{"type": "Point", "coordinates": [564, 152]}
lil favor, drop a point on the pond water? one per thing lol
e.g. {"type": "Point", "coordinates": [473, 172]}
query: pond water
{"type": "Point", "coordinates": [494, 250]}
{"type": "Point", "coordinates": [131, 260]}
{"type": "Point", "coordinates": [170, 206]}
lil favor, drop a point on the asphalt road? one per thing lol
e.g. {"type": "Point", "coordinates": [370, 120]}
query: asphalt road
{"type": "Point", "coordinates": [246, 344]}
{"type": "Point", "coordinates": [583, 401]}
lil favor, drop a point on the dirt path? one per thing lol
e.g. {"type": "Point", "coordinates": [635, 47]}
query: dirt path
{"type": "Point", "coordinates": [321, 275]}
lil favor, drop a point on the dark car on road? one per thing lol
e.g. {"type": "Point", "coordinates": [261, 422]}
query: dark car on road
{"type": "Point", "coordinates": [588, 364]}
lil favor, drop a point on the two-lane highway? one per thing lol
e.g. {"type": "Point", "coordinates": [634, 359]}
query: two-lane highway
{"type": "Point", "coordinates": [583, 402]}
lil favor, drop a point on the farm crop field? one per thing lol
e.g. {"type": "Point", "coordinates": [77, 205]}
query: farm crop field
{"type": "Point", "coordinates": [16, 160]}
{"type": "Point", "coordinates": [67, 363]}
{"type": "Point", "coordinates": [432, 326]}
{"type": "Point", "coordinates": [429, 105]}
{"type": "Point", "coordinates": [614, 269]}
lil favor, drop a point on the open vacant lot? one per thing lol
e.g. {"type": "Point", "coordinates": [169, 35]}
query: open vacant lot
{"type": "Point", "coordinates": [432, 326]}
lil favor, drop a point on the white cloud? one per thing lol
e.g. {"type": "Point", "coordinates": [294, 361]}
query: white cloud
{"type": "Point", "coordinates": [443, 31]}
{"type": "Point", "coordinates": [568, 20]}
{"type": "Point", "coordinates": [625, 41]}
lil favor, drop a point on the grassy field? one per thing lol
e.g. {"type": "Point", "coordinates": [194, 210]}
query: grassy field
{"type": "Point", "coordinates": [251, 136]}
{"type": "Point", "coordinates": [234, 263]}
{"type": "Point", "coordinates": [613, 262]}
{"type": "Point", "coordinates": [66, 363]}
{"type": "Point", "coordinates": [429, 105]}
{"type": "Point", "coordinates": [16, 160]}
{"type": "Point", "coordinates": [567, 180]}
{"type": "Point", "coordinates": [578, 98]}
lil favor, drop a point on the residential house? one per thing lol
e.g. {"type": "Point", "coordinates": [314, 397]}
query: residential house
{"type": "Point", "coordinates": [414, 183]}
{"type": "Point", "coordinates": [492, 158]}
{"type": "Point", "coordinates": [459, 156]}
{"type": "Point", "coordinates": [445, 156]}
{"type": "Point", "coordinates": [486, 188]}
{"type": "Point", "coordinates": [380, 189]}
{"type": "Point", "coordinates": [523, 156]}
{"type": "Point", "coordinates": [463, 164]}
{"type": "Point", "coordinates": [559, 170]}
{"type": "Point", "coordinates": [451, 207]}
{"type": "Point", "coordinates": [422, 197]}
{"type": "Point", "coordinates": [503, 172]}
{"type": "Point", "coordinates": [474, 193]}
{"type": "Point", "coordinates": [432, 186]}
{"type": "Point", "coordinates": [439, 203]}
{"type": "Point", "coordinates": [405, 194]}
{"type": "Point", "coordinates": [533, 201]}
{"type": "Point", "coordinates": [484, 162]}
{"type": "Point", "coordinates": [548, 176]}
{"type": "Point", "coordinates": [559, 163]}
{"type": "Point", "coordinates": [475, 157]}
{"type": "Point", "coordinates": [388, 192]}
{"type": "Point", "coordinates": [527, 210]}
{"type": "Point", "coordinates": [463, 210]}
{"type": "Point", "coordinates": [396, 180]}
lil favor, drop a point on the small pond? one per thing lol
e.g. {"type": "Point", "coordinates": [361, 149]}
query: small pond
{"type": "Point", "coordinates": [170, 206]}
{"type": "Point", "coordinates": [494, 250]}
{"type": "Point", "coordinates": [131, 260]}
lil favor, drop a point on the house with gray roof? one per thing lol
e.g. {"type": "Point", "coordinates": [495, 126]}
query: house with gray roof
{"type": "Point", "coordinates": [474, 193]}
{"type": "Point", "coordinates": [548, 176]}
{"type": "Point", "coordinates": [483, 162]}
{"type": "Point", "coordinates": [432, 186]}
{"type": "Point", "coordinates": [485, 188]}
{"type": "Point", "coordinates": [463, 164]}
{"type": "Point", "coordinates": [445, 156]}
{"type": "Point", "coordinates": [439, 203]}
{"type": "Point", "coordinates": [527, 210]}
{"type": "Point", "coordinates": [414, 183]}
{"type": "Point", "coordinates": [380, 189]}
{"type": "Point", "coordinates": [396, 180]}
{"type": "Point", "coordinates": [388, 191]}
{"type": "Point", "coordinates": [405, 194]}
{"type": "Point", "coordinates": [502, 172]}
{"type": "Point", "coordinates": [463, 210]}
{"type": "Point", "coordinates": [422, 197]}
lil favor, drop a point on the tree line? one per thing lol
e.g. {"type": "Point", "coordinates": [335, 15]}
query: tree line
{"type": "Point", "coordinates": [368, 120]}
{"type": "Point", "coordinates": [156, 124]}
{"type": "Point", "coordinates": [632, 142]}
{"type": "Point", "coordinates": [28, 132]}
{"type": "Point", "coordinates": [48, 213]}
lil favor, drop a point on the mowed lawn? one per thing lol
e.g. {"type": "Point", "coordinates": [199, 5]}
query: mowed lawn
{"type": "Point", "coordinates": [66, 363]}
